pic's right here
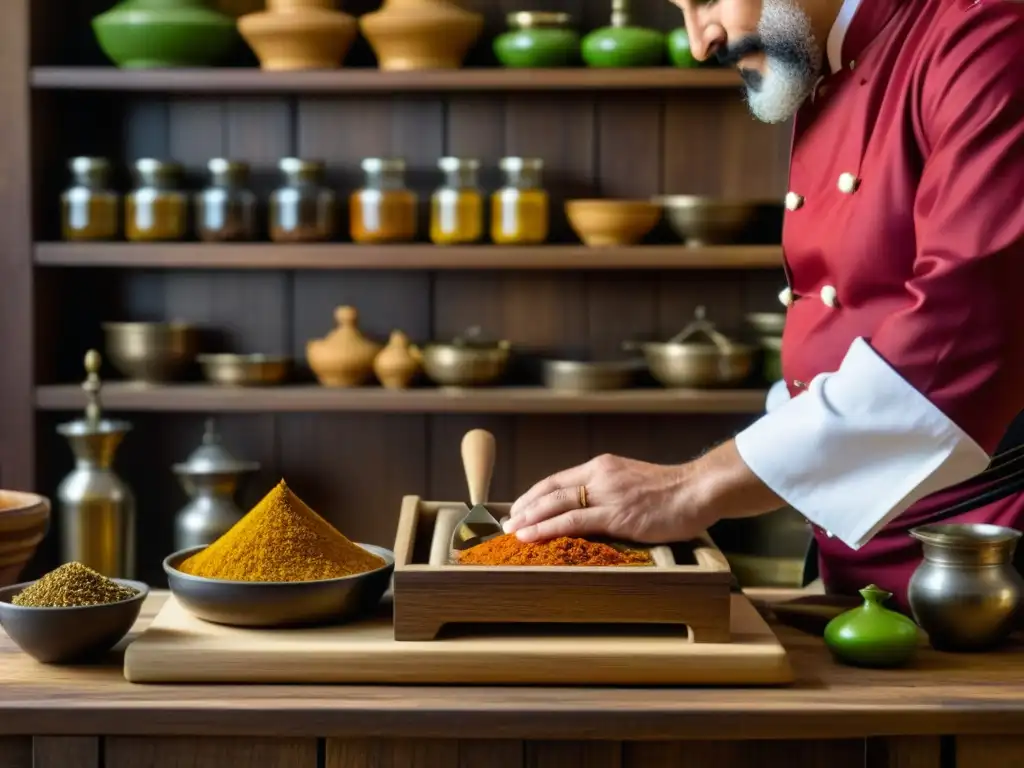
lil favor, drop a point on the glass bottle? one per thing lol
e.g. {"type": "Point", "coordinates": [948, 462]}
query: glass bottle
{"type": "Point", "coordinates": [383, 211]}
{"type": "Point", "coordinates": [89, 208]}
{"type": "Point", "coordinates": [156, 209]}
{"type": "Point", "coordinates": [519, 210]}
{"type": "Point", "coordinates": [226, 209]}
{"type": "Point", "coordinates": [457, 208]}
{"type": "Point", "coordinates": [303, 210]}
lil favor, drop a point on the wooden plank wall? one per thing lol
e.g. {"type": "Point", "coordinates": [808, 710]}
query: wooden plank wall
{"type": "Point", "coordinates": [354, 468]}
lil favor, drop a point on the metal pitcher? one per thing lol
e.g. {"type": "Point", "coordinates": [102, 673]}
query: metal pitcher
{"type": "Point", "coordinates": [966, 592]}
{"type": "Point", "coordinates": [210, 477]}
{"type": "Point", "coordinates": [96, 507]}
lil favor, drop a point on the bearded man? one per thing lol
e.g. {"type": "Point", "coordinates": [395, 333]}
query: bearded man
{"type": "Point", "coordinates": [903, 352]}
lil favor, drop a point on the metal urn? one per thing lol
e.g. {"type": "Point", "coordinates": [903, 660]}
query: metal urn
{"type": "Point", "coordinates": [96, 507]}
{"type": "Point", "coordinates": [210, 477]}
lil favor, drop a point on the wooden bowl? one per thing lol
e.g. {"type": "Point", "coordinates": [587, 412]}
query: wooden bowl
{"type": "Point", "coordinates": [24, 521]}
{"type": "Point", "coordinates": [279, 603]}
{"type": "Point", "coordinates": [612, 222]}
{"type": "Point", "coordinates": [61, 635]}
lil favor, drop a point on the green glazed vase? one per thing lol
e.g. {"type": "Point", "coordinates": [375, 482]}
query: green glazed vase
{"type": "Point", "coordinates": [151, 34]}
{"type": "Point", "coordinates": [624, 46]}
{"type": "Point", "coordinates": [679, 51]}
{"type": "Point", "coordinates": [538, 40]}
{"type": "Point", "coordinates": [872, 635]}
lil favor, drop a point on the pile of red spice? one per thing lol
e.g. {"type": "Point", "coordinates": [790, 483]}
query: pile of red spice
{"type": "Point", "coordinates": [508, 550]}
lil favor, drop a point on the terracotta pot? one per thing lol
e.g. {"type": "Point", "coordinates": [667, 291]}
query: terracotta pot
{"type": "Point", "coordinates": [299, 34]}
{"type": "Point", "coordinates": [24, 521]}
{"type": "Point", "coordinates": [421, 34]}
{"type": "Point", "coordinates": [344, 358]}
{"type": "Point", "coordinates": [398, 363]}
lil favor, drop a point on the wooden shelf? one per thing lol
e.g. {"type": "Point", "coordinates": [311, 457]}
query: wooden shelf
{"type": "Point", "coordinates": [413, 256]}
{"type": "Point", "coordinates": [119, 396]}
{"type": "Point", "coordinates": [357, 80]}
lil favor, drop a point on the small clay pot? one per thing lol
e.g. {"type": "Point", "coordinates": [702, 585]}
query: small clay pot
{"type": "Point", "coordinates": [344, 358]}
{"type": "Point", "coordinates": [398, 363]}
{"type": "Point", "coordinates": [611, 222]}
{"type": "Point", "coordinates": [421, 34]}
{"type": "Point", "coordinates": [872, 635]}
{"type": "Point", "coordinates": [299, 34]}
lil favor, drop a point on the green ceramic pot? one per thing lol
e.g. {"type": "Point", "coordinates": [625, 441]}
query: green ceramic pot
{"type": "Point", "coordinates": [872, 635]}
{"type": "Point", "coordinates": [679, 52]}
{"type": "Point", "coordinates": [150, 34]}
{"type": "Point", "coordinates": [538, 39]}
{"type": "Point", "coordinates": [624, 46]}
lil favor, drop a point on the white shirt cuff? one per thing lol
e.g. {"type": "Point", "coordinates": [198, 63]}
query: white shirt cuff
{"type": "Point", "coordinates": [858, 447]}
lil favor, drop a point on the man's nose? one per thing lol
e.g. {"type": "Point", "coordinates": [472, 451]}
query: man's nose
{"type": "Point", "coordinates": [708, 39]}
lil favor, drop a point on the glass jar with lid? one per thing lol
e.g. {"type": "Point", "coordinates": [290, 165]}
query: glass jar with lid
{"type": "Point", "coordinates": [457, 209]}
{"type": "Point", "coordinates": [519, 210]}
{"type": "Point", "coordinates": [156, 209]}
{"type": "Point", "coordinates": [226, 209]}
{"type": "Point", "coordinates": [383, 211]}
{"type": "Point", "coordinates": [89, 208]}
{"type": "Point", "coordinates": [303, 209]}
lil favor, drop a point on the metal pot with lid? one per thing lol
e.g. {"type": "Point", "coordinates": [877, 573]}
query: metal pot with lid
{"type": "Point", "coordinates": [469, 360]}
{"type": "Point", "coordinates": [697, 356]}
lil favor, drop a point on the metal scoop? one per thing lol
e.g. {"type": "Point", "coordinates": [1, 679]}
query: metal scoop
{"type": "Point", "coordinates": [480, 524]}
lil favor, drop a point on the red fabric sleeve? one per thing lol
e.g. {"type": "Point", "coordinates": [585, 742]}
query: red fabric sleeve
{"type": "Point", "coordinates": [960, 342]}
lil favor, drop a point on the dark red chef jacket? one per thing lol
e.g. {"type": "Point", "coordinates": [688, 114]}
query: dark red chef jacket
{"type": "Point", "coordinates": [903, 352]}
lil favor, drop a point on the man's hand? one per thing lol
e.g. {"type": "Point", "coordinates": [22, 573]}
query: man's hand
{"type": "Point", "coordinates": [637, 501]}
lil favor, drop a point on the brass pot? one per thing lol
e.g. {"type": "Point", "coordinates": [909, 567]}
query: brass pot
{"type": "Point", "coordinates": [683, 362]}
{"type": "Point", "coordinates": [466, 361]}
{"type": "Point", "coordinates": [701, 221]}
{"type": "Point", "coordinates": [151, 352]}
{"type": "Point", "coordinates": [245, 370]}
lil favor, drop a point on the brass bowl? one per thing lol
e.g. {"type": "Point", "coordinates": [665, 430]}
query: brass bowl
{"type": "Point", "coordinates": [703, 221]}
{"type": "Point", "coordinates": [466, 365]}
{"type": "Point", "coordinates": [245, 370]}
{"type": "Point", "coordinates": [151, 352]}
{"type": "Point", "coordinates": [24, 521]}
{"type": "Point", "coordinates": [767, 323]}
{"type": "Point", "coordinates": [612, 222]}
{"type": "Point", "coordinates": [696, 365]}
{"type": "Point", "coordinates": [584, 376]}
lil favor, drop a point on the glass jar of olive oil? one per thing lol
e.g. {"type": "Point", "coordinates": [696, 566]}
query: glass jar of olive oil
{"type": "Point", "coordinates": [156, 209]}
{"type": "Point", "coordinates": [519, 210]}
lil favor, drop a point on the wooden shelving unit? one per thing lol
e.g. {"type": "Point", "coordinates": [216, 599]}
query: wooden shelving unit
{"type": "Point", "coordinates": [370, 80]}
{"type": "Point", "coordinates": [202, 398]}
{"type": "Point", "coordinates": [609, 133]}
{"type": "Point", "coordinates": [413, 256]}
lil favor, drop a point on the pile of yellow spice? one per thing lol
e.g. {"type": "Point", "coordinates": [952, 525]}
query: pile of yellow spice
{"type": "Point", "coordinates": [281, 539]}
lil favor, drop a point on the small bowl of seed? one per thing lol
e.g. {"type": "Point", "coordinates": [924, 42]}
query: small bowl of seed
{"type": "Point", "coordinates": [71, 614]}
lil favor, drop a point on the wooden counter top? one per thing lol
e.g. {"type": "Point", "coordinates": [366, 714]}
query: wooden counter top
{"type": "Point", "coordinates": [941, 693]}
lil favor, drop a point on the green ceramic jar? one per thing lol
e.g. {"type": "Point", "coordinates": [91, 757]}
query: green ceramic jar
{"type": "Point", "coordinates": [872, 635]}
{"type": "Point", "coordinates": [679, 51]}
{"type": "Point", "coordinates": [152, 34]}
{"type": "Point", "coordinates": [623, 45]}
{"type": "Point", "coordinates": [538, 39]}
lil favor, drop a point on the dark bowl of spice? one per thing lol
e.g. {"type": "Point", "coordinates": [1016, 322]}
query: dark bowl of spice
{"type": "Point", "coordinates": [71, 614]}
{"type": "Point", "coordinates": [281, 565]}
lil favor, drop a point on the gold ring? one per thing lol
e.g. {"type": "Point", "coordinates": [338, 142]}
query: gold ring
{"type": "Point", "coordinates": [583, 497]}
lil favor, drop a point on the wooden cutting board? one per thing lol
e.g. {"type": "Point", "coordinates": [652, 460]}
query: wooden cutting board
{"type": "Point", "coordinates": [179, 648]}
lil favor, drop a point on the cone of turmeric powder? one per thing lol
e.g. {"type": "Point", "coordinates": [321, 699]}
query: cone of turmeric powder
{"type": "Point", "coordinates": [281, 539]}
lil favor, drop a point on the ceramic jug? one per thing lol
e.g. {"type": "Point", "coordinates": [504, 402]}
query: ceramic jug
{"type": "Point", "coordinates": [344, 358]}
{"type": "Point", "coordinates": [421, 34]}
{"type": "Point", "coordinates": [398, 363]}
{"type": "Point", "coordinates": [299, 34]}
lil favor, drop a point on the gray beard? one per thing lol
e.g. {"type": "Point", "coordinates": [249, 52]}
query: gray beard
{"type": "Point", "coordinates": [788, 81]}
